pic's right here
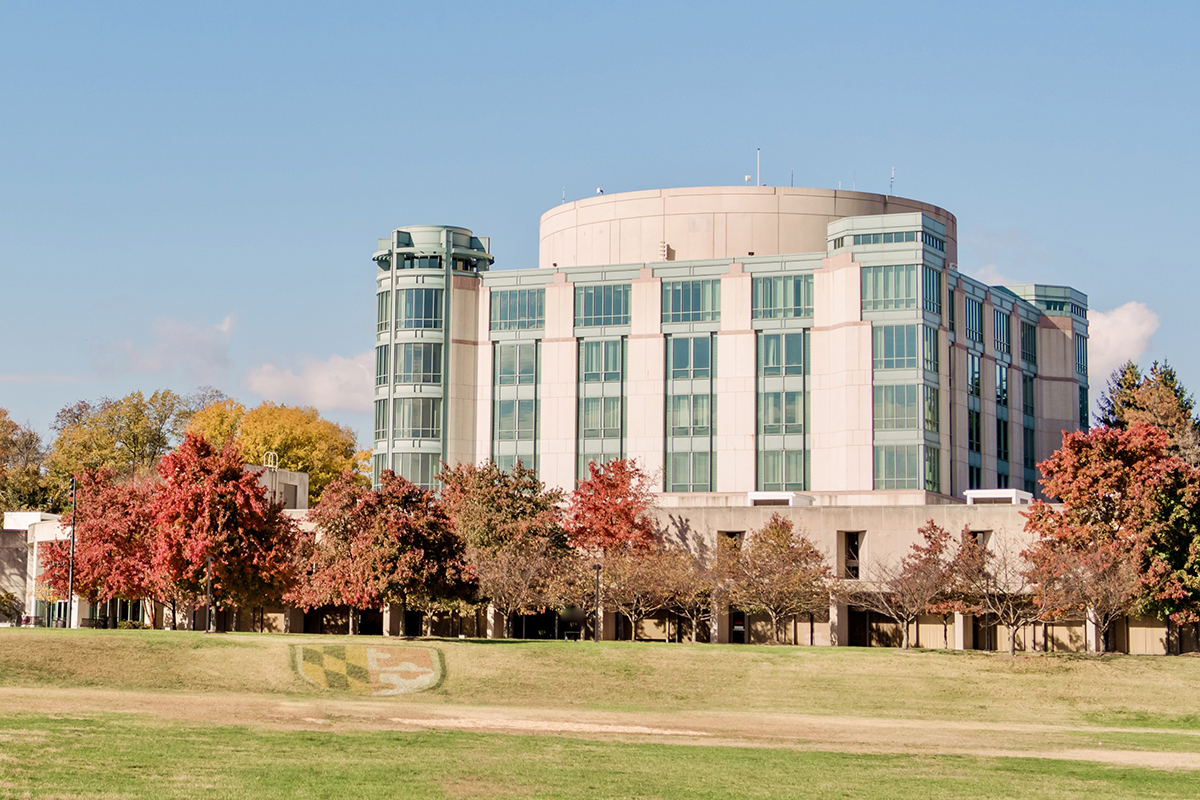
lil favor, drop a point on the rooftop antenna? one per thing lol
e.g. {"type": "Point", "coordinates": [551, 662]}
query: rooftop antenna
{"type": "Point", "coordinates": [892, 185]}
{"type": "Point", "coordinates": [792, 180]}
{"type": "Point", "coordinates": [748, 180]}
{"type": "Point", "coordinates": [564, 195]}
{"type": "Point", "coordinates": [758, 164]}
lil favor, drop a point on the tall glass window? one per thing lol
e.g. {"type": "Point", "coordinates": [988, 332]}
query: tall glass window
{"type": "Point", "coordinates": [381, 419]}
{"type": "Point", "coordinates": [691, 301]}
{"type": "Point", "coordinates": [781, 470]}
{"type": "Point", "coordinates": [691, 357]}
{"type": "Point", "coordinates": [600, 417]}
{"type": "Point", "coordinates": [951, 314]}
{"type": "Point", "coordinates": [417, 417]}
{"type": "Point", "coordinates": [689, 472]}
{"type": "Point", "coordinates": [974, 378]}
{"type": "Point", "coordinates": [602, 305]}
{"type": "Point", "coordinates": [689, 415]}
{"type": "Point", "coordinates": [975, 320]}
{"type": "Point", "coordinates": [516, 364]}
{"type": "Point", "coordinates": [931, 290]}
{"type": "Point", "coordinates": [932, 409]}
{"type": "Point", "coordinates": [516, 419]}
{"type": "Point", "coordinates": [896, 408]}
{"type": "Point", "coordinates": [1002, 440]}
{"type": "Point", "coordinates": [781, 412]}
{"type": "Point", "coordinates": [933, 469]}
{"type": "Point", "coordinates": [1002, 385]}
{"type": "Point", "coordinates": [885, 288]}
{"type": "Point", "coordinates": [383, 311]}
{"type": "Point", "coordinates": [782, 354]}
{"type": "Point", "coordinates": [898, 466]}
{"type": "Point", "coordinates": [518, 309]}
{"type": "Point", "coordinates": [420, 468]}
{"type": "Point", "coordinates": [974, 431]}
{"type": "Point", "coordinates": [1027, 396]}
{"type": "Point", "coordinates": [783, 296]}
{"type": "Point", "coordinates": [381, 365]}
{"type": "Point", "coordinates": [420, 309]}
{"type": "Point", "coordinates": [1081, 359]}
{"type": "Point", "coordinates": [895, 346]}
{"type": "Point", "coordinates": [1002, 335]}
{"type": "Point", "coordinates": [601, 360]}
{"type": "Point", "coordinates": [419, 362]}
{"type": "Point", "coordinates": [1029, 343]}
{"type": "Point", "coordinates": [930, 348]}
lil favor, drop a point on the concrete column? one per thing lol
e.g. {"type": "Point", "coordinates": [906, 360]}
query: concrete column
{"type": "Point", "coordinates": [1091, 635]}
{"type": "Point", "coordinates": [962, 632]}
{"type": "Point", "coordinates": [839, 625]}
{"type": "Point", "coordinates": [393, 619]}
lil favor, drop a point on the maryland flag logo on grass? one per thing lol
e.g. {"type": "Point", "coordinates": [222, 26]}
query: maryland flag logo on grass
{"type": "Point", "coordinates": [377, 671]}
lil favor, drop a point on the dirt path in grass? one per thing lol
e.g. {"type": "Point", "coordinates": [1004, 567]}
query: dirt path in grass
{"type": "Point", "coordinates": [1117, 746]}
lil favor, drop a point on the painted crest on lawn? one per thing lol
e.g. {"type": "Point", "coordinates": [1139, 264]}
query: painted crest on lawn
{"type": "Point", "coordinates": [361, 669]}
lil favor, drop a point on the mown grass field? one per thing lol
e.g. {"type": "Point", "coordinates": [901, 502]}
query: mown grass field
{"type": "Point", "coordinates": [174, 714]}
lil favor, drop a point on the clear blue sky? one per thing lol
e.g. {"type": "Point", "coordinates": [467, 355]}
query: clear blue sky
{"type": "Point", "coordinates": [190, 193]}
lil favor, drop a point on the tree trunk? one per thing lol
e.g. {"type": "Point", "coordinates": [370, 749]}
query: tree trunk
{"type": "Point", "coordinates": [1012, 639]}
{"type": "Point", "coordinates": [352, 625]}
{"type": "Point", "coordinates": [508, 631]}
{"type": "Point", "coordinates": [904, 635]}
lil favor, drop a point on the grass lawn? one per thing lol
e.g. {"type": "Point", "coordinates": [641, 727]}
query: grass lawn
{"type": "Point", "coordinates": [177, 714]}
{"type": "Point", "coordinates": [118, 757]}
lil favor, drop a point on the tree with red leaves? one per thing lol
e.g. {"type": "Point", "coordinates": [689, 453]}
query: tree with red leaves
{"type": "Point", "coordinates": [373, 547]}
{"type": "Point", "coordinates": [920, 583]}
{"type": "Point", "coordinates": [114, 541]}
{"type": "Point", "coordinates": [209, 506]}
{"type": "Point", "coordinates": [611, 507]}
{"type": "Point", "coordinates": [1123, 497]}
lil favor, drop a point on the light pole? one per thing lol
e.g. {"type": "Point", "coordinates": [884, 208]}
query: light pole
{"type": "Point", "coordinates": [71, 563]}
{"type": "Point", "coordinates": [208, 612]}
{"type": "Point", "coordinates": [597, 631]}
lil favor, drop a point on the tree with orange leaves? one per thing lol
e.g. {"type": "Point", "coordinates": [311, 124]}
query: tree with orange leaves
{"type": "Point", "coordinates": [1122, 498]}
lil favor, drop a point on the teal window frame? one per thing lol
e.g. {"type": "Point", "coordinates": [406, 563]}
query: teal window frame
{"type": "Point", "coordinates": [782, 297]}
{"type": "Point", "coordinates": [518, 309]}
{"type": "Point", "coordinates": [602, 305]}
{"type": "Point", "coordinates": [895, 347]}
{"type": "Point", "coordinates": [691, 301]}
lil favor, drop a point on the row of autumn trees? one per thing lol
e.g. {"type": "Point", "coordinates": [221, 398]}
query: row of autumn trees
{"type": "Point", "coordinates": [128, 436]}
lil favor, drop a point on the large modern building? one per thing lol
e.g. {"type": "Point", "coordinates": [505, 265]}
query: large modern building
{"type": "Point", "coordinates": [742, 343]}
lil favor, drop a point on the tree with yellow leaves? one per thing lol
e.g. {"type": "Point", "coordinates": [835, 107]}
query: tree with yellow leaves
{"type": "Point", "coordinates": [303, 440]}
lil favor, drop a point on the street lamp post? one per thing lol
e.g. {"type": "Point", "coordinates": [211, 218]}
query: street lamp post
{"type": "Point", "coordinates": [71, 563]}
{"type": "Point", "coordinates": [208, 612]}
{"type": "Point", "coordinates": [597, 632]}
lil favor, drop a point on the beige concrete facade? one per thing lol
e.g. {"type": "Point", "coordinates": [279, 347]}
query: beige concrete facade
{"type": "Point", "coordinates": [709, 222]}
{"type": "Point", "coordinates": [842, 451]}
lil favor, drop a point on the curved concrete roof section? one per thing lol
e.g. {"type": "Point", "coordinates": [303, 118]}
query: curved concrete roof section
{"type": "Point", "coordinates": [710, 222]}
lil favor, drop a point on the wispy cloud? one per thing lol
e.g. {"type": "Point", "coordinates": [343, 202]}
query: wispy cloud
{"type": "Point", "coordinates": [335, 384]}
{"type": "Point", "coordinates": [36, 378]}
{"type": "Point", "coordinates": [1116, 336]}
{"type": "Point", "coordinates": [990, 275]}
{"type": "Point", "coordinates": [201, 351]}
